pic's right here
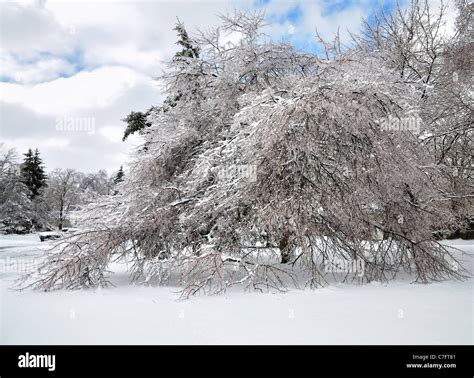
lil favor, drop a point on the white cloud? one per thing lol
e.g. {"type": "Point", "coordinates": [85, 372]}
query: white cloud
{"type": "Point", "coordinates": [36, 72]}
{"type": "Point", "coordinates": [30, 113]}
{"type": "Point", "coordinates": [85, 90]}
{"type": "Point", "coordinates": [133, 34]}
{"type": "Point", "coordinates": [29, 29]}
{"type": "Point", "coordinates": [313, 16]}
{"type": "Point", "coordinates": [23, 144]}
{"type": "Point", "coordinates": [148, 62]}
{"type": "Point", "coordinates": [112, 133]}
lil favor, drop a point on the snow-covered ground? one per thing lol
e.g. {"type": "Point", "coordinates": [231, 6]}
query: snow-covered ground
{"type": "Point", "coordinates": [394, 313]}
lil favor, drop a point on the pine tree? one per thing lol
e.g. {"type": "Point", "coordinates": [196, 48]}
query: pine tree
{"type": "Point", "coordinates": [137, 121]}
{"type": "Point", "coordinates": [16, 209]}
{"type": "Point", "coordinates": [32, 173]}
{"type": "Point", "coordinates": [189, 49]}
{"type": "Point", "coordinates": [119, 176]}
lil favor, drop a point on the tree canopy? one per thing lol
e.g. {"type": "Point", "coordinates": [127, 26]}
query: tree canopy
{"type": "Point", "coordinates": [272, 163]}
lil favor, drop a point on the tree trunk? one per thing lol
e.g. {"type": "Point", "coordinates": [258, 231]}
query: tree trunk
{"type": "Point", "coordinates": [61, 215]}
{"type": "Point", "coordinates": [285, 248]}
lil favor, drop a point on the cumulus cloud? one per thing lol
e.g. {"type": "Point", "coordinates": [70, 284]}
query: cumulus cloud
{"type": "Point", "coordinates": [30, 115]}
{"type": "Point", "coordinates": [41, 70]}
{"type": "Point", "coordinates": [87, 89]}
{"type": "Point", "coordinates": [29, 29]}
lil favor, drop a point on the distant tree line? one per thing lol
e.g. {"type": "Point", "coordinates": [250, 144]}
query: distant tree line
{"type": "Point", "coordinates": [33, 200]}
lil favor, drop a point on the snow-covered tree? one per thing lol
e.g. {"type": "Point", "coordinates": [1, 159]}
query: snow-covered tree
{"type": "Point", "coordinates": [93, 185]}
{"type": "Point", "coordinates": [410, 39]}
{"type": "Point", "coordinates": [119, 176]}
{"type": "Point", "coordinates": [63, 194]}
{"type": "Point", "coordinates": [449, 111]}
{"type": "Point", "coordinates": [413, 41]}
{"type": "Point", "coordinates": [271, 163]}
{"type": "Point", "coordinates": [16, 208]}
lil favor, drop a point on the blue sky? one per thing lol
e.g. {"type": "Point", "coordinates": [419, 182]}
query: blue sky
{"type": "Point", "coordinates": [328, 9]}
{"type": "Point", "coordinates": [97, 60]}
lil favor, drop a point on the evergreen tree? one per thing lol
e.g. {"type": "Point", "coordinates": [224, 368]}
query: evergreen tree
{"type": "Point", "coordinates": [137, 121]}
{"type": "Point", "coordinates": [15, 206]}
{"type": "Point", "coordinates": [189, 49]}
{"type": "Point", "coordinates": [118, 179]}
{"type": "Point", "coordinates": [119, 176]}
{"type": "Point", "coordinates": [32, 173]}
